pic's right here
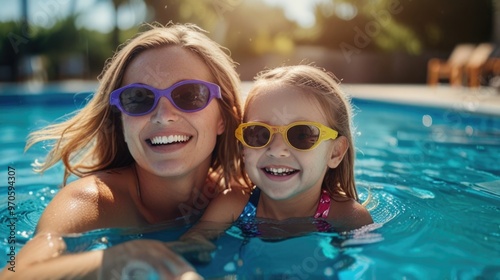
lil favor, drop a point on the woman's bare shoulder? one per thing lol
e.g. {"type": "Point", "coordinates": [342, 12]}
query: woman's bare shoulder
{"type": "Point", "coordinates": [78, 206]}
{"type": "Point", "coordinates": [73, 208]}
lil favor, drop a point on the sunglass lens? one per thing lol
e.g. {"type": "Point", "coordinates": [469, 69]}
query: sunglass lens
{"type": "Point", "coordinates": [303, 137]}
{"type": "Point", "coordinates": [191, 96]}
{"type": "Point", "coordinates": [256, 135]}
{"type": "Point", "coordinates": [137, 100]}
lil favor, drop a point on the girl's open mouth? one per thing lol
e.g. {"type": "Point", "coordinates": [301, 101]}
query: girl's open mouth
{"type": "Point", "coordinates": [279, 171]}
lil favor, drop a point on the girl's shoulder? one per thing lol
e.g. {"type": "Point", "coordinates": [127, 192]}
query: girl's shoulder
{"type": "Point", "coordinates": [227, 206]}
{"type": "Point", "coordinates": [348, 214]}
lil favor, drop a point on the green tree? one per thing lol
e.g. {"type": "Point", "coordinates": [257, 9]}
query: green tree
{"type": "Point", "coordinates": [404, 25]}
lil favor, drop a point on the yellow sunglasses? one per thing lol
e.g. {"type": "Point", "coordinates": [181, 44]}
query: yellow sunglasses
{"type": "Point", "coordinates": [302, 136]}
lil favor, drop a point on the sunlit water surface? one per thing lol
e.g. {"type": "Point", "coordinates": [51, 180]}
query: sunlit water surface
{"type": "Point", "coordinates": [431, 179]}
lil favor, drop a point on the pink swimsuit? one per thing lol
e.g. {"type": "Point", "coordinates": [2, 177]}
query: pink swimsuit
{"type": "Point", "coordinates": [246, 221]}
{"type": "Point", "coordinates": [323, 205]}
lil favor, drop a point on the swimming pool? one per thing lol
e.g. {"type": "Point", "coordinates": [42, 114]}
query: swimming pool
{"type": "Point", "coordinates": [432, 174]}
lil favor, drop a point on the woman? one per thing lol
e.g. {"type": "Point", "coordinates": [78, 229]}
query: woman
{"type": "Point", "coordinates": [142, 159]}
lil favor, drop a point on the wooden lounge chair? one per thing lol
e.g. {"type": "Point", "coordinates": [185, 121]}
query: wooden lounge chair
{"type": "Point", "coordinates": [491, 67]}
{"type": "Point", "coordinates": [476, 63]}
{"type": "Point", "coordinates": [451, 69]}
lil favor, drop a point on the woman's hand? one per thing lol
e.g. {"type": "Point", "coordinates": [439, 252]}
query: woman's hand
{"type": "Point", "coordinates": [194, 248]}
{"type": "Point", "coordinates": [144, 259]}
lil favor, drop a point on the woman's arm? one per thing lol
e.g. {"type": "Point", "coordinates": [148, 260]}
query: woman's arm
{"type": "Point", "coordinates": [73, 209]}
{"type": "Point", "coordinates": [40, 258]}
{"type": "Point", "coordinates": [79, 207]}
{"type": "Point", "coordinates": [118, 262]}
{"type": "Point", "coordinates": [195, 244]}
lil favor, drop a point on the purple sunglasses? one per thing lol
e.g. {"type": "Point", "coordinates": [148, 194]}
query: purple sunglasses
{"type": "Point", "coordinates": [187, 96]}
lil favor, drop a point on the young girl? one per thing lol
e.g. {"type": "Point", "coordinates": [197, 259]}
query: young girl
{"type": "Point", "coordinates": [298, 151]}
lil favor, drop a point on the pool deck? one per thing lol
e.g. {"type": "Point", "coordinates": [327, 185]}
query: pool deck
{"type": "Point", "coordinates": [483, 100]}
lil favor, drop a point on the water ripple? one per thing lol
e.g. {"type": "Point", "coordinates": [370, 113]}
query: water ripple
{"type": "Point", "coordinates": [29, 207]}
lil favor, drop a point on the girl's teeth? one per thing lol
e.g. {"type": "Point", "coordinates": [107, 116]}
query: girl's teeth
{"type": "Point", "coordinates": [279, 171]}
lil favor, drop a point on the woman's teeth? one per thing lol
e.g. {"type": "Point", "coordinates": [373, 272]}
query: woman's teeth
{"type": "Point", "coordinates": [164, 140]}
{"type": "Point", "coordinates": [280, 171]}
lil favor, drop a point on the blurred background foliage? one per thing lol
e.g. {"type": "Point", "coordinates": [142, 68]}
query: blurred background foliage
{"type": "Point", "coordinates": [356, 39]}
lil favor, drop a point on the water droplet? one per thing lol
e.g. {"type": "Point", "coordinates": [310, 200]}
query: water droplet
{"type": "Point", "coordinates": [469, 130]}
{"type": "Point", "coordinates": [328, 271]}
{"type": "Point", "coordinates": [427, 120]}
{"type": "Point", "coordinates": [230, 267]}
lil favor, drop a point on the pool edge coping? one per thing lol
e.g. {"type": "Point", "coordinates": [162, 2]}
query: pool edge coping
{"type": "Point", "coordinates": [482, 100]}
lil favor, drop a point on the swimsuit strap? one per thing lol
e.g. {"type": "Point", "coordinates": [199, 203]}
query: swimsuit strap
{"type": "Point", "coordinates": [254, 197]}
{"type": "Point", "coordinates": [249, 227]}
{"type": "Point", "coordinates": [250, 210]}
{"type": "Point", "coordinates": [323, 205]}
{"type": "Point", "coordinates": [321, 212]}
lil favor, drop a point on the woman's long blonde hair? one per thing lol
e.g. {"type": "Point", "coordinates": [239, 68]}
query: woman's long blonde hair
{"type": "Point", "coordinates": [336, 106]}
{"type": "Point", "coordinates": [92, 140]}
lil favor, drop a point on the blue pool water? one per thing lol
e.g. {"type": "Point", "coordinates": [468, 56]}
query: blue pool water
{"type": "Point", "coordinates": [432, 175]}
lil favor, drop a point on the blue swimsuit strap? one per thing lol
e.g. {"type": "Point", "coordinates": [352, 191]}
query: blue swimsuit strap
{"type": "Point", "coordinates": [254, 197]}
